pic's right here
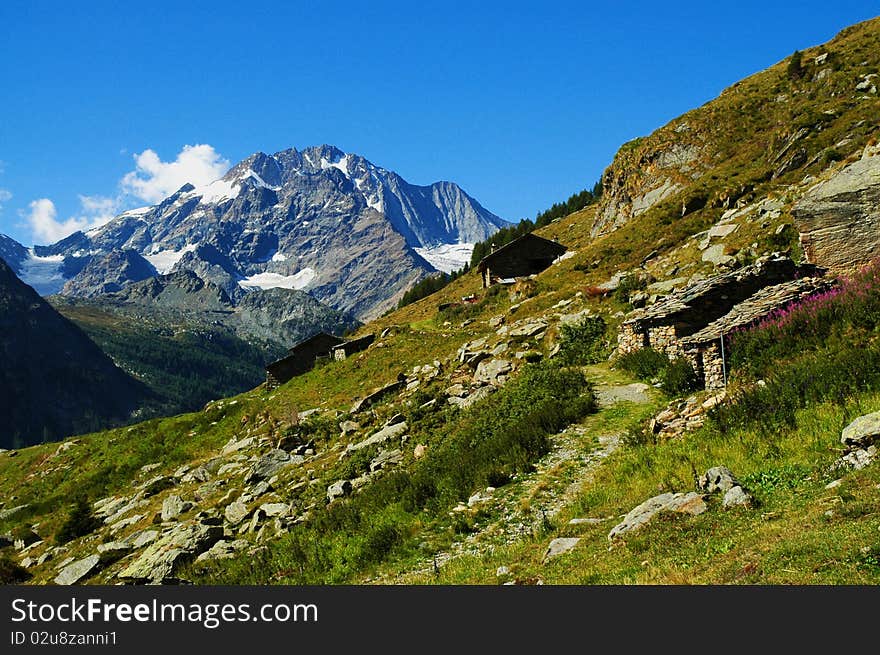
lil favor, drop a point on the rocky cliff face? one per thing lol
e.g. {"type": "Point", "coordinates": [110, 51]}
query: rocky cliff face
{"type": "Point", "coordinates": [54, 380]}
{"type": "Point", "coordinates": [109, 273]}
{"type": "Point", "coordinates": [839, 218]}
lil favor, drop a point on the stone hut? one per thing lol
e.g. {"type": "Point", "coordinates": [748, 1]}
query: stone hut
{"type": "Point", "coordinates": [703, 349]}
{"type": "Point", "coordinates": [663, 325]}
{"type": "Point", "coordinates": [344, 350]}
{"type": "Point", "coordinates": [524, 256]}
{"type": "Point", "coordinates": [300, 358]}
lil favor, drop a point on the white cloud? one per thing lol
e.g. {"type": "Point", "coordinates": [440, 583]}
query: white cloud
{"type": "Point", "coordinates": [5, 196]}
{"type": "Point", "coordinates": [45, 226]}
{"type": "Point", "coordinates": [153, 180]}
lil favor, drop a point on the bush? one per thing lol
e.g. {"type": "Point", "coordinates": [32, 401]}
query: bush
{"type": "Point", "coordinates": [679, 378]}
{"type": "Point", "coordinates": [12, 573]}
{"type": "Point", "coordinates": [628, 285]}
{"type": "Point", "coordinates": [583, 342]}
{"type": "Point", "coordinates": [80, 522]}
{"type": "Point", "coordinates": [646, 364]}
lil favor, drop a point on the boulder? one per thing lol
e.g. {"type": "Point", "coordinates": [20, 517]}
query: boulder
{"type": "Point", "coordinates": [715, 255]}
{"type": "Point", "coordinates": [862, 432]}
{"type": "Point", "coordinates": [736, 496]}
{"type": "Point", "coordinates": [174, 506]}
{"type": "Point", "coordinates": [386, 458]}
{"type": "Point", "coordinates": [78, 570]}
{"type": "Point", "coordinates": [717, 478]}
{"type": "Point", "coordinates": [385, 434]}
{"type": "Point", "coordinates": [493, 372]}
{"type": "Point", "coordinates": [681, 503]}
{"type": "Point", "coordinates": [269, 464]}
{"type": "Point", "coordinates": [114, 551]}
{"type": "Point", "coordinates": [529, 329]}
{"type": "Point", "coordinates": [236, 512]}
{"type": "Point", "coordinates": [338, 489]}
{"type": "Point", "coordinates": [176, 546]}
{"type": "Point", "coordinates": [347, 427]}
{"type": "Point", "coordinates": [223, 550]}
{"type": "Point", "coordinates": [857, 458]}
{"type": "Point", "coordinates": [559, 546]}
{"type": "Point", "coordinates": [473, 397]}
{"type": "Point", "coordinates": [157, 484]}
{"type": "Point", "coordinates": [142, 538]}
{"type": "Point", "coordinates": [272, 510]}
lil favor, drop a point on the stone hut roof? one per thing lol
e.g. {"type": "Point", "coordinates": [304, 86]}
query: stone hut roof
{"type": "Point", "coordinates": [528, 246]}
{"type": "Point", "coordinates": [758, 306]}
{"type": "Point", "coordinates": [703, 302]}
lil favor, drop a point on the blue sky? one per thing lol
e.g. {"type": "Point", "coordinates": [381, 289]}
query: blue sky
{"type": "Point", "coordinates": [520, 103]}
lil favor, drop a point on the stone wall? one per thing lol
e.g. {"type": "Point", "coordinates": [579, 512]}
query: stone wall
{"type": "Point", "coordinates": [663, 338]}
{"type": "Point", "coordinates": [629, 339]}
{"type": "Point", "coordinates": [713, 367]}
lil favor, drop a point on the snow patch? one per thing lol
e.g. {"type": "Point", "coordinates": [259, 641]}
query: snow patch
{"type": "Point", "coordinates": [215, 192]}
{"type": "Point", "coordinates": [259, 180]}
{"type": "Point", "coordinates": [279, 257]}
{"type": "Point", "coordinates": [447, 257]}
{"type": "Point", "coordinates": [273, 280]}
{"type": "Point", "coordinates": [164, 260]}
{"type": "Point", "coordinates": [566, 255]}
{"type": "Point", "coordinates": [43, 273]}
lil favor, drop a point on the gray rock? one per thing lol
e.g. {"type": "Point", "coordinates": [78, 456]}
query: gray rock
{"type": "Point", "coordinates": [715, 255]}
{"type": "Point", "coordinates": [114, 551]}
{"type": "Point", "coordinates": [857, 458]}
{"type": "Point", "coordinates": [529, 329]}
{"type": "Point", "coordinates": [493, 371]}
{"type": "Point", "coordinates": [386, 458]}
{"type": "Point", "coordinates": [142, 538]}
{"type": "Point", "coordinates": [559, 546]}
{"type": "Point", "coordinates": [78, 570]}
{"type": "Point", "coordinates": [12, 511]}
{"type": "Point", "coordinates": [236, 512]}
{"type": "Point", "coordinates": [588, 521]}
{"type": "Point", "coordinates": [682, 503]}
{"type": "Point", "coordinates": [174, 506]}
{"type": "Point", "coordinates": [198, 474]}
{"type": "Point", "coordinates": [272, 510]}
{"type": "Point", "coordinates": [736, 497]}
{"type": "Point", "coordinates": [347, 427]}
{"type": "Point", "coordinates": [176, 546]}
{"type": "Point", "coordinates": [338, 489]}
{"type": "Point", "coordinates": [270, 464]}
{"type": "Point", "coordinates": [839, 219]}
{"type": "Point", "coordinates": [862, 432]}
{"type": "Point", "coordinates": [717, 478]}
{"type": "Point", "coordinates": [385, 434]}
{"type": "Point", "coordinates": [474, 397]}
{"type": "Point", "coordinates": [721, 231]}
{"type": "Point", "coordinates": [223, 550]}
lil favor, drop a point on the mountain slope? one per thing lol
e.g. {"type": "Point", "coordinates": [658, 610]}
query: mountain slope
{"type": "Point", "coordinates": [319, 220]}
{"type": "Point", "coordinates": [54, 380]}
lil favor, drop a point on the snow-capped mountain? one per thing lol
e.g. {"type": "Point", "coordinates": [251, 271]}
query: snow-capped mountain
{"type": "Point", "coordinates": [352, 234]}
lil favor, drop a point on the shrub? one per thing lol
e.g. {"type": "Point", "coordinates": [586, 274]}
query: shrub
{"type": "Point", "coordinates": [12, 573]}
{"type": "Point", "coordinates": [645, 364]}
{"type": "Point", "coordinates": [80, 522]}
{"type": "Point", "coordinates": [628, 285]}
{"type": "Point", "coordinates": [583, 342]}
{"type": "Point", "coordinates": [679, 378]}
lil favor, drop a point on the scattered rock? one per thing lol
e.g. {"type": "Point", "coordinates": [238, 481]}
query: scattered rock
{"type": "Point", "coordinates": [493, 372]}
{"type": "Point", "coordinates": [736, 497]}
{"type": "Point", "coordinates": [157, 484]}
{"type": "Point", "coordinates": [502, 571]}
{"type": "Point", "coordinates": [12, 511]}
{"type": "Point", "coordinates": [682, 503]}
{"type": "Point", "coordinates": [180, 544]}
{"type": "Point", "coordinates": [559, 546]}
{"type": "Point", "coordinates": [142, 538]}
{"type": "Point", "coordinates": [347, 427]}
{"type": "Point", "coordinates": [834, 484]}
{"type": "Point", "coordinates": [717, 478]}
{"type": "Point", "coordinates": [380, 437]}
{"type": "Point", "coordinates": [338, 489]}
{"type": "Point", "coordinates": [715, 255]}
{"type": "Point", "coordinates": [174, 506]}
{"type": "Point", "coordinates": [269, 464]}
{"type": "Point", "coordinates": [481, 497]}
{"type": "Point", "coordinates": [223, 550]}
{"type": "Point", "coordinates": [857, 458]}
{"type": "Point", "coordinates": [637, 392]}
{"type": "Point", "coordinates": [273, 510]}
{"type": "Point", "coordinates": [862, 432]}
{"type": "Point", "coordinates": [236, 512]}
{"type": "Point", "coordinates": [588, 521]}
{"type": "Point", "coordinates": [386, 458]}
{"type": "Point", "coordinates": [529, 329]}
{"type": "Point", "coordinates": [114, 551]}
{"type": "Point", "coordinates": [78, 570]}
{"type": "Point", "coordinates": [419, 451]}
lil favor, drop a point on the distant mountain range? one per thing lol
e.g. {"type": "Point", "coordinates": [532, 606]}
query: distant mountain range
{"type": "Point", "coordinates": [353, 235]}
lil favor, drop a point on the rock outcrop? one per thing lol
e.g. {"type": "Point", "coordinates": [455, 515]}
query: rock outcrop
{"type": "Point", "coordinates": [839, 219]}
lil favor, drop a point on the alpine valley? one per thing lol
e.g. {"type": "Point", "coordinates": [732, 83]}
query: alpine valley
{"type": "Point", "coordinates": [672, 378]}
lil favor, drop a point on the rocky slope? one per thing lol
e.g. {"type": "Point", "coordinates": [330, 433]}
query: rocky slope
{"type": "Point", "coordinates": [319, 220]}
{"type": "Point", "coordinates": [54, 380]}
